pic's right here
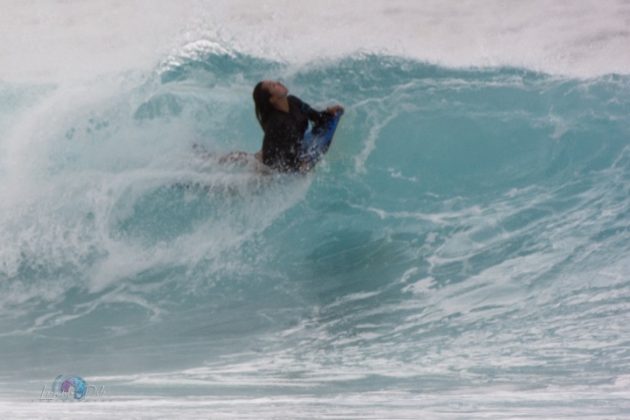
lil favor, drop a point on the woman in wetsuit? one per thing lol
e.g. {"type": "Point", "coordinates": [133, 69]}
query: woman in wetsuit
{"type": "Point", "coordinates": [284, 119]}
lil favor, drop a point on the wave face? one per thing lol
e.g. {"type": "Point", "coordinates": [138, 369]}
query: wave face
{"type": "Point", "coordinates": [463, 246]}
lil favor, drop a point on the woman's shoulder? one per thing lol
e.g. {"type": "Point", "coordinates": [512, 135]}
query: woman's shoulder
{"type": "Point", "coordinates": [294, 99]}
{"type": "Point", "coordinates": [299, 104]}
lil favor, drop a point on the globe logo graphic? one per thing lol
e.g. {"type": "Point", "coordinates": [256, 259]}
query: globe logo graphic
{"type": "Point", "coordinates": [74, 385]}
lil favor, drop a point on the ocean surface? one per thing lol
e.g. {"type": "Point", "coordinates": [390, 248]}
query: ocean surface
{"type": "Point", "coordinates": [463, 250]}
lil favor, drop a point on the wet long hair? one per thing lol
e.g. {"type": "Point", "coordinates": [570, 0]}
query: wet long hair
{"type": "Point", "coordinates": [264, 108]}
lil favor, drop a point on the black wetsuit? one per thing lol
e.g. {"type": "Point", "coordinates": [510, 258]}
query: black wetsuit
{"type": "Point", "coordinates": [284, 133]}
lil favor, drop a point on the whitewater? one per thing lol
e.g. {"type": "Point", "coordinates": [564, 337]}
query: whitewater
{"type": "Point", "coordinates": [462, 251]}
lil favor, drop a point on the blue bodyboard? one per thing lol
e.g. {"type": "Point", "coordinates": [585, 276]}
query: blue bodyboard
{"type": "Point", "coordinates": [317, 140]}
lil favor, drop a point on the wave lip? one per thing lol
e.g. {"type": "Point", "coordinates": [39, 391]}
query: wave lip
{"type": "Point", "coordinates": [581, 39]}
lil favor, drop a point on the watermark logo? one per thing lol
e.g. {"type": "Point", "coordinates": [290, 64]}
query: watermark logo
{"type": "Point", "coordinates": [70, 388]}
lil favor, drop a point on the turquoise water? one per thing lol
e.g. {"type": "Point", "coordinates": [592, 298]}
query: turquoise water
{"type": "Point", "coordinates": [462, 248]}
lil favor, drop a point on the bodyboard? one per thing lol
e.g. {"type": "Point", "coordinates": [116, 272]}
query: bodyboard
{"type": "Point", "coordinates": [317, 140]}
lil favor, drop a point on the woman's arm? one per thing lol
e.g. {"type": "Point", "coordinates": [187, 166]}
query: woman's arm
{"type": "Point", "coordinates": [315, 116]}
{"type": "Point", "coordinates": [318, 116]}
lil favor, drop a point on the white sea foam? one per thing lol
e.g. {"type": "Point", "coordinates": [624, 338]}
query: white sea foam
{"type": "Point", "coordinates": [69, 40]}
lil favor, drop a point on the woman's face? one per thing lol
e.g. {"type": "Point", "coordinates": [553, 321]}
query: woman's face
{"type": "Point", "coordinates": [276, 89]}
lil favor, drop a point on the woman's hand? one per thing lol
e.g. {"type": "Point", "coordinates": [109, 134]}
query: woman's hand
{"type": "Point", "coordinates": [335, 109]}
